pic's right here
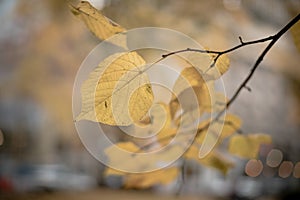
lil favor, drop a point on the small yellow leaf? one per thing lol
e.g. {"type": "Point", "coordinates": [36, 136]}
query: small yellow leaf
{"type": "Point", "coordinates": [247, 146]}
{"type": "Point", "coordinates": [128, 157]}
{"type": "Point", "coordinates": [98, 24]}
{"type": "Point", "coordinates": [203, 61]}
{"type": "Point", "coordinates": [161, 117]}
{"type": "Point", "coordinates": [217, 161]}
{"type": "Point", "coordinates": [219, 102]}
{"type": "Point", "coordinates": [221, 66]}
{"type": "Point", "coordinates": [189, 77]}
{"type": "Point", "coordinates": [164, 137]}
{"type": "Point", "coordinates": [121, 155]}
{"type": "Point", "coordinates": [190, 92]}
{"type": "Point", "coordinates": [174, 106]}
{"type": "Point", "coordinates": [110, 171]}
{"type": "Point", "coordinates": [220, 129]}
{"type": "Point", "coordinates": [146, 180]}
{"type": "Point", "coordinates": [213, 159]}
{"type": "Point", "coordinates": [213, 133]}
{"type": "Point", "coordinates": [117, 92]}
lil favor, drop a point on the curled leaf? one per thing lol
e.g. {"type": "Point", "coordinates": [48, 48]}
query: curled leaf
{"type": "Point", "coordinates": [99, 25]}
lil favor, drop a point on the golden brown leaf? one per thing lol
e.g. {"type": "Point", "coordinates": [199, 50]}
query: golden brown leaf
{"type": "Point", "coordinates": [213, 159]}
{"type": "Point", "coordinates": [117, 92]}
{"type": "Point", "coordinates": [190, 92]}
{"type": "Point", "coordinates": [247, 146]}
{"type": "Point", "coordinates": [221, 129]}
{"type": "Point", "coordinates": [146, 180]}
{"type": "Point", "coordinates": [203, 62]}
{"type": "Point", "coordinates": [98, 24]}
{"type": "Point", "coordinates": [128, 157]}
{"type": "Point", "coordinates": [220, 67]}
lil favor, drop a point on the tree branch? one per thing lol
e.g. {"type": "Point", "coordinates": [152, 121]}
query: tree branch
{"type": "Point", "coordinates": [273, 39]}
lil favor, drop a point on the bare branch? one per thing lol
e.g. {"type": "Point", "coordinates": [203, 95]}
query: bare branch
{"type": "Point", "coordinates": [273, 39]}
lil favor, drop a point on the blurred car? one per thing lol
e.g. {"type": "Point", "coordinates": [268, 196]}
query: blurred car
{"type": "Point", "coordinates": [51, 178]}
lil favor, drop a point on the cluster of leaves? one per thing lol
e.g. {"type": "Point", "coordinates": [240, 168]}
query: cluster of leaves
{"type": "Point", "coordinates": [108, 90]}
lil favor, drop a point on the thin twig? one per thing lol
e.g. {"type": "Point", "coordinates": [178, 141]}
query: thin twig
{"type": "Point", "coordinates": [275, 38]}
{"type": "Point", "coordinates": [219, 53]}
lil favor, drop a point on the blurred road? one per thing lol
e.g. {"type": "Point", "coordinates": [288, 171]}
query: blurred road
{"type": "Point", "coordinates": [102, 193]}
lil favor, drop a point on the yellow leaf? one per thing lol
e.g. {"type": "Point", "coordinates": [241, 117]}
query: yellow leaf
{"type": "Point", "coordinates": [156, 125]}
{"type": "Point", "coordinates": [162, 123]}
{"type": "Point", "coordinates": [122, 155]}
{"type": "Point", "coordinates": [220, 129]}
{"type": "Point", "coordinates": [203, 61]}
{"type": "Point", "coordinates": [213, 159]}
{"type": "Point", "coordinates": [117, 92]}
{"type": "Point", "coordinates": [213, 135]}
{"type": "Point", "coordinates": [174, 107]}
{"type": "Point", "coordinates": [146, 180]}
{"type": "Point", "coordinates": [220, 67]}
{"type": "Point", "coordinates": [164, 137]}
{"type": "Point", "coordinates": [247, 146]}
{"type": "Point", "coordinates": [296, 34]}
{"type": "Point", "coordinates": [128, 157]}
{"type": "Point", "coordinates": [189, 77]}
{"type": "Point", "coordinates": [219, 102]}
{"type": "Point", "coordinates": [190, 92]}
{"type": "Point", "coordinates": [98, 24]}
{"type": "Point", "coordinates": [161, 117]}
{"type": "Point", "coordinates": [110, 171]}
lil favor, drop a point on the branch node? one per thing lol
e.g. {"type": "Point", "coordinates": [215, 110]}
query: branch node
{"type": "Point", "coordinates": [241, 40]}
{"type": "Point", "coordinates": [248, 88]}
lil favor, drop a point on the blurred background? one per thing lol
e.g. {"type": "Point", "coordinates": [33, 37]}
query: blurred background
{"type": "Point", "coordinates": [42, 46]}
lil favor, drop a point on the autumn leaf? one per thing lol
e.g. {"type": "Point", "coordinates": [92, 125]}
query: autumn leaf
{"type": "Point", "coordinates": [117, 92]}
{"type": "Point", "coordinates": [203, 62]}
{"type": "Point", "coordinates": [145, 180]}
{"type": "Point", "coordinates": [162, 122]}
{"type": "Point", "coordinates": [214, 159]}
{"type": "Point", "coordinates": [221, 66]}
{"type": "Point", "coordinates": [157, 125]}
{"type": "Point", "coordinates": [99, 25]}
{"type": "Point", "coordinates": [129, 157]}
{"type": "Point", "coordinates": [122, 155]}
{"type": "Point", "coordinates": [220, 129]}
{"type": "Point", "coordinates": [247, 146]}
{"type": "Point", "coordinates": [190, 91]}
